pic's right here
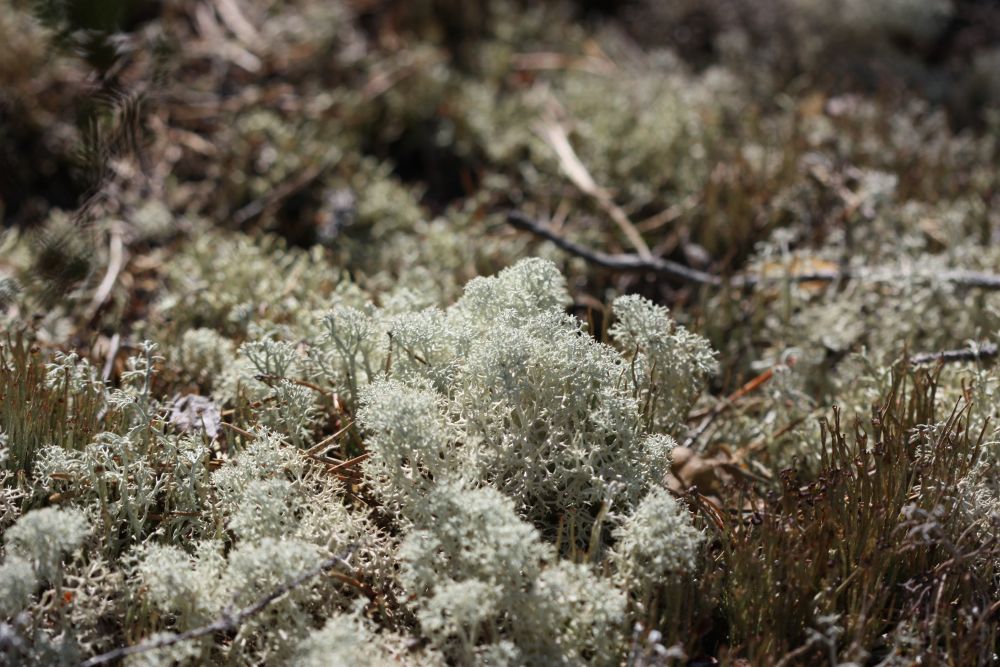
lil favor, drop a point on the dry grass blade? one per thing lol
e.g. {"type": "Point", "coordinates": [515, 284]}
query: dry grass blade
{"type": "Point", "coordinates": [555, 136]}
{"type": "Point", "coordinates": [116, 260]}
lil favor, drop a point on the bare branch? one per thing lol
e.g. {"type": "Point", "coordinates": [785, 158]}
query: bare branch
{"type": "Point", "coordinates": [632, 263]}
{"type": "Point", "coordinates": [695, 433]}
{"type": "Point", "coordinates": [228, 622]}
{"type": "Point", "coordinates": [621, 262]}
{"type": "Point", "coordinates": [976, 353]}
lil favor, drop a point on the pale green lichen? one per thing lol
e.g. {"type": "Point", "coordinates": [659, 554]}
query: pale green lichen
{"type": "Point", "coordinates": [351, 354]}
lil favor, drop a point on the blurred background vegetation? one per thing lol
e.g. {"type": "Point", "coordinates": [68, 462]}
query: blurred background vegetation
{"type": "Point", "coordinates": [395, 135]}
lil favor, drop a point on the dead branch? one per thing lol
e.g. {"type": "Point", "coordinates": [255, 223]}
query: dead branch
{"type": "Point", "coordinates": [351, 462]}
{"type": "Point", "coordinates": [625, 262]}
{"type": "Point", "coordinates": [632, 263]}
{"type": "Point", "coordinates": [976, 353]}
{"type": "Point", "coordinates": [326, 442]}
{"type": "Point", "coordinates": [527, 62]}
{"type": "Point", "coordinates": [228, 622]}
{"type": "Point", "coordinates": [269, 379]}
{"type": "Point", "coordinates": [755, 383]}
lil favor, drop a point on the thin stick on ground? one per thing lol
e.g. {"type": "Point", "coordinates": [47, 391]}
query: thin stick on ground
{"type": "Point", "coordinates": [328, 441]}
{"type": "Point", "coordinates": [228, 622]}
{"type": "Point", "coordinates": [109, 360]}
{"type": "Point", "coordinates": [282, 192]}
{"type": "Point", "coordinates": [620, 262]}
{"type": "Point", "coordinates": [632, 263]}
{"type": "Point", "coordinates": [976, 353]}
{"type": "Point", "coordinates": [350, 463]}
{"type": "Point", "coordinates": [268, 379]}
{"type": "Point", "coordinates": [721, 407]}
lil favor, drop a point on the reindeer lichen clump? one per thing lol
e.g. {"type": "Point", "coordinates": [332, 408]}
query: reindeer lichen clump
{"type": "Point", "coordinates": [502, 443]}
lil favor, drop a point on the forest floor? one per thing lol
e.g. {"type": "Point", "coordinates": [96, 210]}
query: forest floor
{"type": "Point", "coordinates": [316, 344]}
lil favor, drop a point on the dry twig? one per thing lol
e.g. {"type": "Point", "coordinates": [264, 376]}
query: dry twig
{"type": "Point", "coordinates": [282, 192]}
{"type": "Point", "coordinates": [350, 463]}
{"type": "Point", "coordinates": [628, 262]}
{"type": "Point", "coordinates": [544, 60]}
{"type": "Point", "coordinates": [228, 622]}
{"type": "Point", "coordinates": [975, 353]}
{"type": "Point", "coordinates": [621, 262]}
{"type": "Point", "coordinates": [109, 360]}
{"type": "Point", "coordinates": [720, 408]}
{"type": "Point", "coordinates": [326, 442]}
